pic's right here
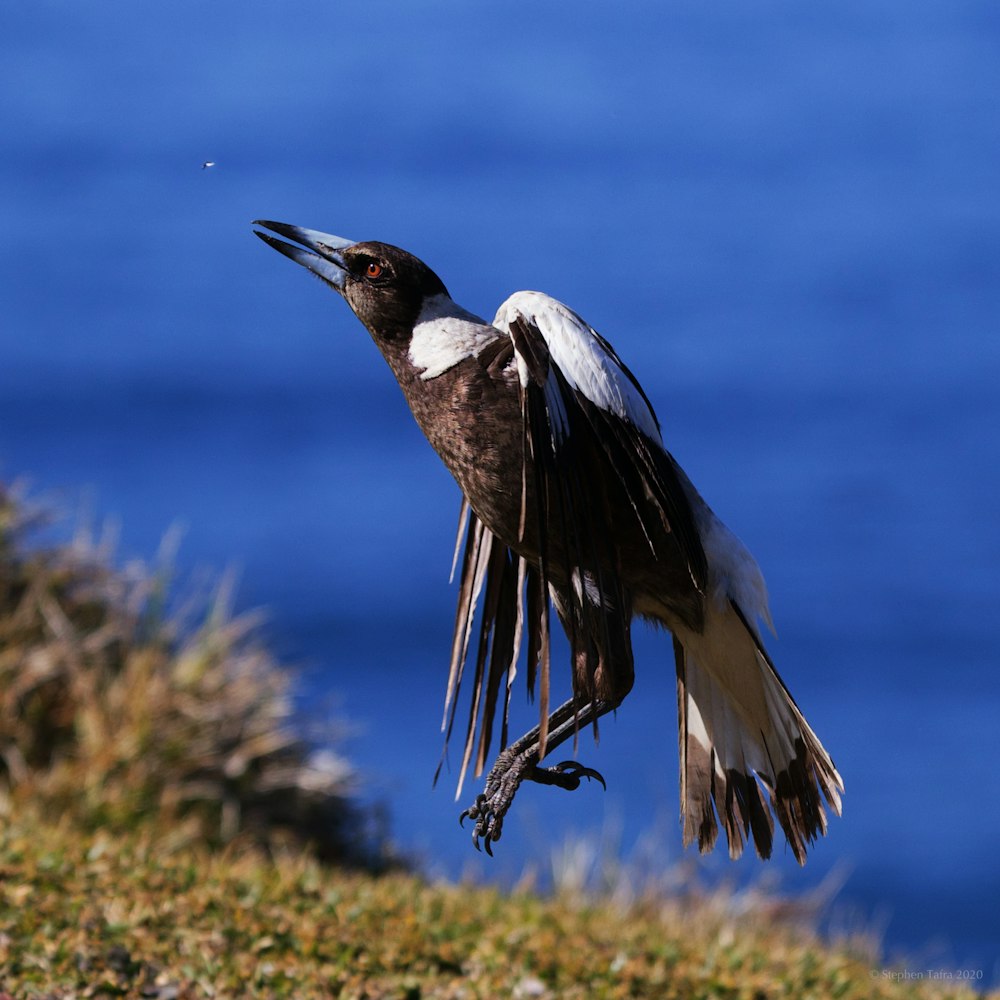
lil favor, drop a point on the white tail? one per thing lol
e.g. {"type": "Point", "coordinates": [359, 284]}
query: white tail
{"type": "Point", "coordinates": [740, 734]}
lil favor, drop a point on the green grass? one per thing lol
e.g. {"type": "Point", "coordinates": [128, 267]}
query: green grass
{"type": "Point", "coordinates": [106, 915]}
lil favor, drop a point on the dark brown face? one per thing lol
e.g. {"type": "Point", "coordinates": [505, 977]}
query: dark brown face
{"type": "Point", "coordinates": [389, 289]}
{"type": "Point", "coordinates": [386, 287]}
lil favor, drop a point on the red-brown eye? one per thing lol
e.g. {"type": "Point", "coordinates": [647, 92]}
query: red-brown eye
{"type": "Point", "coordinates": [373, 270]}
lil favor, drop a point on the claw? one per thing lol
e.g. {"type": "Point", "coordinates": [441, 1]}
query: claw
{"type": "Point", "coordinates": [473, 812]}
{"type": "Point", "coordinates": [491, 806]}
{"type": "Point", "coordinates": [487, 824]}
{"type": "Point", "coordinates": [566, 775]}
{"type": "Point", "coordinates": [578, 770]}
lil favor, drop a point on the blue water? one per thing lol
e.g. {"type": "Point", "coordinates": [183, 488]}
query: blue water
{"type": "Point", "coordinates": [785, 218]}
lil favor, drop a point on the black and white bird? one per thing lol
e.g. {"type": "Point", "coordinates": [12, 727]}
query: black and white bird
{"type": "Point", "coordinates": [571, 499]}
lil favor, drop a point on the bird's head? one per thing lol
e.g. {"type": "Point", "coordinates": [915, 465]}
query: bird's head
{"type": "Point", "coordinates": [385, 286]}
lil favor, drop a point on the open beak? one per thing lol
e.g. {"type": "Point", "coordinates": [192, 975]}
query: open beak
{"type": "Point", "coordinates": [319, 254]}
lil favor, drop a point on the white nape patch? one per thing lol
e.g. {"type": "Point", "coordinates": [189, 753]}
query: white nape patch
{"type": "Point", "coordinates": [446, 334]}
{"type": "Point", "coordinates": [733, 571]}
{"type": "Point", "coordinates": [581, 357]}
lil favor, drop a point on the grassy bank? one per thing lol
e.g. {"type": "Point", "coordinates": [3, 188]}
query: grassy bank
{"type": "Point", "coordinates": [104, 915]}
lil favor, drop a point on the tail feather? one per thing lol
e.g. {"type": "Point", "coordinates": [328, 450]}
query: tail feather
{"type": "Point", "coordinates": [741, 734]}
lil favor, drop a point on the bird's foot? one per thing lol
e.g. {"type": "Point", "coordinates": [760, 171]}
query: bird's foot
{"type": "Point", "coordinates": [505, 777]}
{"type": "Point", "coordinates": [492, 803]}
{"type": "Point", "coordinates": [565, 775]}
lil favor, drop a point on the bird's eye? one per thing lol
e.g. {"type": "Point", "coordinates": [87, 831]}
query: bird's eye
{"type": "Point", "coordinates": [373, 270]}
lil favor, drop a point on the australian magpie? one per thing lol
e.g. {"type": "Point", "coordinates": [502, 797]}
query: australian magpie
{"type": "Point", "coordinates": [571, 501]}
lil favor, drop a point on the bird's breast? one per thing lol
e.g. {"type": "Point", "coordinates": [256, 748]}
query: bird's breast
{"type": "Point", "coordinates": [471, 415]}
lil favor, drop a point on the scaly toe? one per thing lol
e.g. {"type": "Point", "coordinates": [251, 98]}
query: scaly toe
{"type": "Point", "coordinates": [474, 811]}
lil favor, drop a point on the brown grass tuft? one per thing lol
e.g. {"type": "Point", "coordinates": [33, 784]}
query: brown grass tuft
{"type": "Point", "coordinates": [114, 713]}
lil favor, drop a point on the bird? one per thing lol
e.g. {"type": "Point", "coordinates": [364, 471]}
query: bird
{"type": "Point", "coordinates": [207, 164]}
{"type": "Point", "coordinates": [572, 504]}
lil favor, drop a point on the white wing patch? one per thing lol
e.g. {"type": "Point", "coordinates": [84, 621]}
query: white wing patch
{"type": "Point", "coordinates": [581, 357]}
{"type": "Point", "coordinates": [446, 334]}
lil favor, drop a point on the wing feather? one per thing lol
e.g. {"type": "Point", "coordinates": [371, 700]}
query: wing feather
{"type": "Point", "coordinates": [589, 392]}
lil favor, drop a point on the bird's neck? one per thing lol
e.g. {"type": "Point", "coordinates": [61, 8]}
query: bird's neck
{"type": "Point", "coordinates": [444, 335]}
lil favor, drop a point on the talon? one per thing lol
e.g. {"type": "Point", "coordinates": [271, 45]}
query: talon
{"type": "Point", "coordinates": [566, 775]}
{"type": "Point", "coordinates": [491, 806]}
{"type": "Point", "coordinates": [579, 771]}
{"type": "Point", "coordinates": [473, 812]}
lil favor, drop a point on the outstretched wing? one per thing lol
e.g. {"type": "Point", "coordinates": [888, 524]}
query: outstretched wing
{"type": "Point", "coordinates": [578, 394]}
{"type": "Point", "coordinates": [585, 420]}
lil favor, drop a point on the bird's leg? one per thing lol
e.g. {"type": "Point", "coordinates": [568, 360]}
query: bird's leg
{"type": "Point", "coordinates": [520, 762]}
